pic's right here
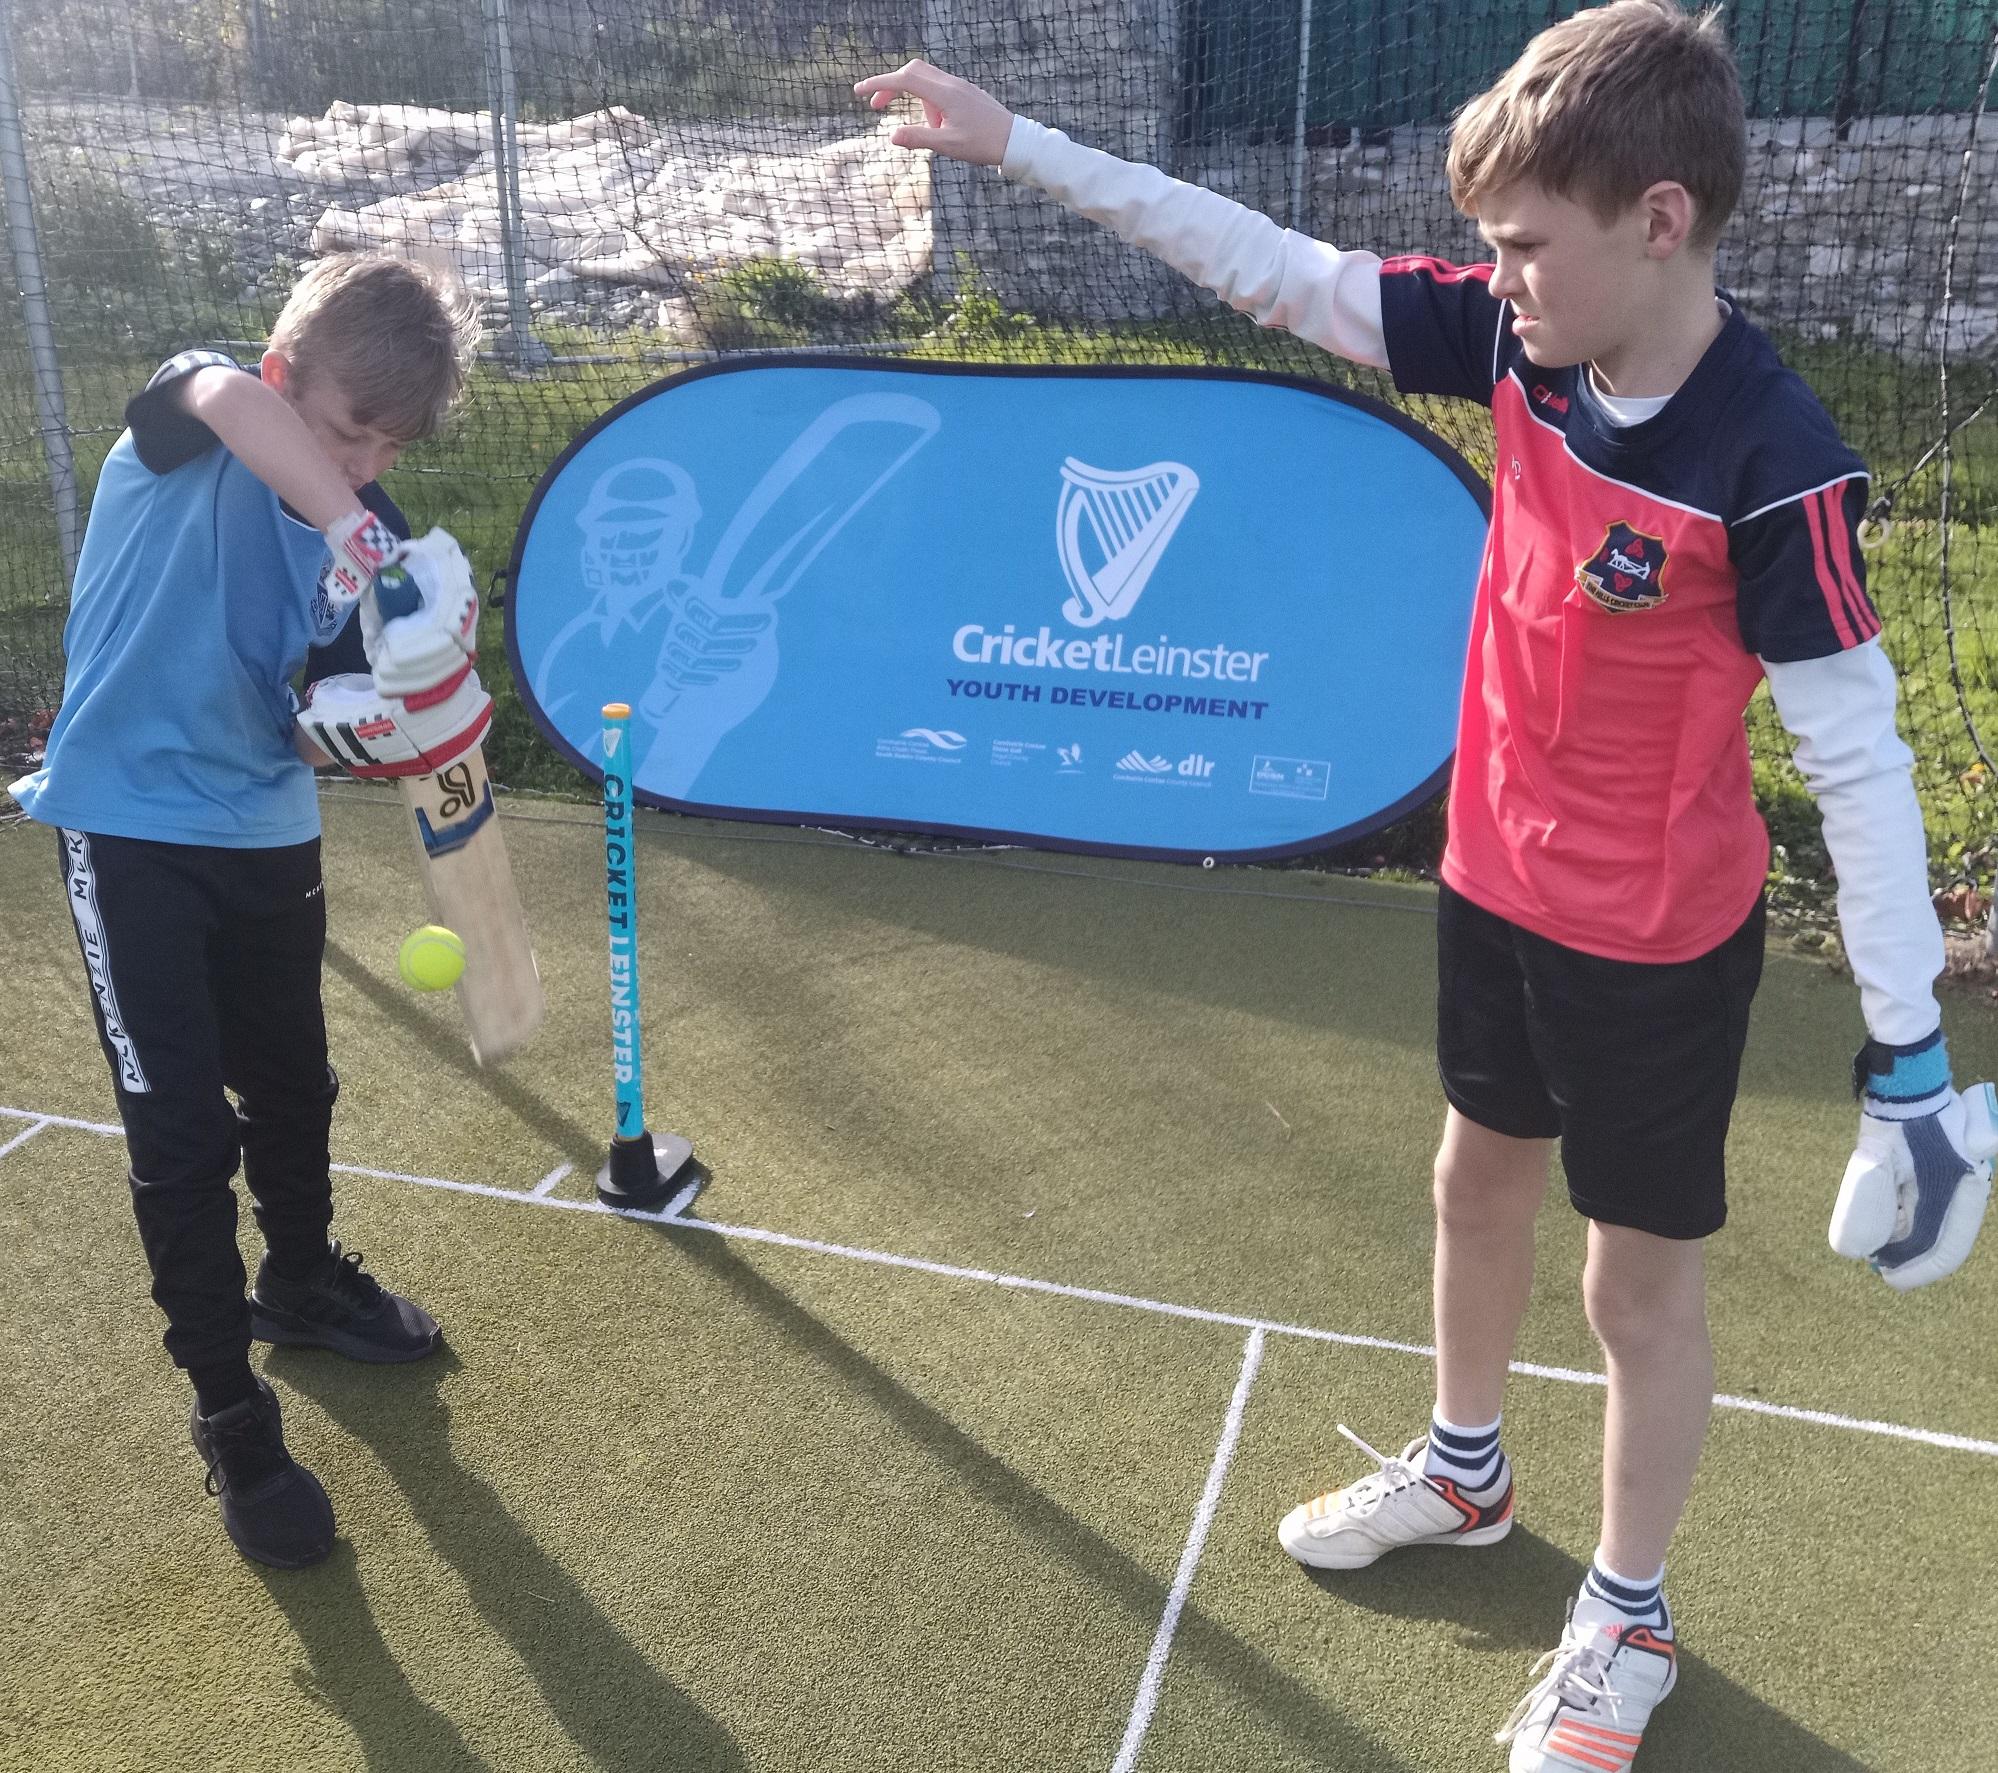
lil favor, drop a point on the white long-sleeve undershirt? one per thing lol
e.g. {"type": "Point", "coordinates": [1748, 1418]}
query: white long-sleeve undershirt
{"type": "Point", "coordinates": [1276, 276]}
{"type": "Point", "coordinates": [1839, 709]}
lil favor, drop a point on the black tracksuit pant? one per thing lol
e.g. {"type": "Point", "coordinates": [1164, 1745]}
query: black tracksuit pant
{"type": "Point", "coordinates": [203, 967]}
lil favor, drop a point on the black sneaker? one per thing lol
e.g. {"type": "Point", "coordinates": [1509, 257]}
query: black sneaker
{"type": "Point", "coordinates": [273, 1508]}
{"type": "Point", "coordinates": [339, 1307]}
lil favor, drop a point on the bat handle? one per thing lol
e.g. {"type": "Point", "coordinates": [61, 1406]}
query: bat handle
{"type": "Point", "coordinates": [395, 593]}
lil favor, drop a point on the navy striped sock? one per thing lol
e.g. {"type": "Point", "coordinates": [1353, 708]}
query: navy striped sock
{"type": "Point", "coordinates": [1466, 1456]}
{"type": "Point", "coordinates": [1643, 1603]}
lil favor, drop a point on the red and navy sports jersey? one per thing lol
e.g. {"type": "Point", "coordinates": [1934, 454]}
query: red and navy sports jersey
{"type": "Point", "coordinates": [1634, 579]}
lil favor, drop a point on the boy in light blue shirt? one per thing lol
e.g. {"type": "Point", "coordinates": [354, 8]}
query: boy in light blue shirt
{"type": "Point", "coordinates": [235, 525]}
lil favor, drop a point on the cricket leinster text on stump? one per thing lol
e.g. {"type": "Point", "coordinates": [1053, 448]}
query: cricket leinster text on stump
{"type": "Point", "coordinates": [644, 1170]}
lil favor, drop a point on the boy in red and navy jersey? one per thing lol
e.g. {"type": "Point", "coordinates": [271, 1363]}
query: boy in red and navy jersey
{"type": "Point", "coordinates": [1636, 578]}
{"type": "Point", "coordinates": [1674, 520]}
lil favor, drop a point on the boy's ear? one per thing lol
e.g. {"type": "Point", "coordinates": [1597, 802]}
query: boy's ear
{"type": "Point", "coordinates": [1669, 216]}
{"type": "Point", "coordinates": [275, 368]}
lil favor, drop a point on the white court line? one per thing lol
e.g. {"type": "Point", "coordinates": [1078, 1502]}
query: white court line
{"type": "Point", "coordinates": [1189, 1561]}
{"type": "Point", "coordinates": [63, 1120]}
{"type": "Point", "coordinates": [1929, 1437]}
{"type": "Point", "coordinates": [554, 1176]}
{"type": "Point", "coordinates": [22, 1138]}
{"type": "Point", "coordinates": [676, 1208]}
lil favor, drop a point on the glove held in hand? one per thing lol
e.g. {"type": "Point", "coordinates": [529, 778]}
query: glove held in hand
{"type": "Point", "coordinates": [1916, 1186]}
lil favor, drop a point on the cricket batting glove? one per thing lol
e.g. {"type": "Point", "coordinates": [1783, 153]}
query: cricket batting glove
{"type": "Point", "coordinates": [371, 735]}
{"type": "Point", "coordinates": [426, 650]}
{"type": "Point", "coordinates": [358, 546]}
{"type": "Point", "coordinates": [1916, 1187]}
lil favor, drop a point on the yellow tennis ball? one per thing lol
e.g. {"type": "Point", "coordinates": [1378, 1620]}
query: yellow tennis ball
{"type": "Point", "coordinates": [431, 958]}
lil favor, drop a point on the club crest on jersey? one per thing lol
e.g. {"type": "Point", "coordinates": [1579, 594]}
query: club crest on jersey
{"type": "Point", "coordinates": [1627, 572]}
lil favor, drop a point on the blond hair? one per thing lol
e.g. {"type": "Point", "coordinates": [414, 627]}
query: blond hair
{"type": "Point", "coordinates": [395, 338]}
{"type": "Point", "coordinates": [1605, 104]}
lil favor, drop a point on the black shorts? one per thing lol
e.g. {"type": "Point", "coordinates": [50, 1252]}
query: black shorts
{"type": "Point", "coordinates": [1633, 1067]}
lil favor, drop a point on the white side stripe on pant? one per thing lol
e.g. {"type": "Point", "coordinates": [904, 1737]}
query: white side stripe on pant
{"type": "Point", "coordinates": [97, 957]}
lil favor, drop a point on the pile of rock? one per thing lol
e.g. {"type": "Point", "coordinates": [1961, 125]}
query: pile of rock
{"type": "Point", "coordinates": [608, 198]}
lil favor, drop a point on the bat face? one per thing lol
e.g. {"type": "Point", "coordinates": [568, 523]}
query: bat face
{"type": "Point", "coordinates": [469, 883]}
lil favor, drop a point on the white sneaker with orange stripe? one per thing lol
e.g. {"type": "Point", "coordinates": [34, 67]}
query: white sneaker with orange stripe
{"type": "Point", "coordinates": [1591, 1698]}
{"type": "Point", "coordinates": [1397, 1505]}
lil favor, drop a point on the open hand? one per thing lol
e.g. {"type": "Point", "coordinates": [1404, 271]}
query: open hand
{"type": "Point", "coordinates": [961, 121]}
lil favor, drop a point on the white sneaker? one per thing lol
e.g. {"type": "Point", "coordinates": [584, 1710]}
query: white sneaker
{"type": "Point", "coordinates": [1587, 1711]}
{"type": "Point", "coordinates": [1397, 1505]}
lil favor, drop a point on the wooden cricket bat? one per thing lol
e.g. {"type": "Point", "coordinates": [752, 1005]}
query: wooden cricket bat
{"type": "Point", "coordinates": [469, 883]}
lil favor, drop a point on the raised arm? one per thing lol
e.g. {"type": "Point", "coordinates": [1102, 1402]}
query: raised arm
{"type": "Point", "coordinates": [257, 426]}
{"type": "Point", "coordinates": [1277, 277]}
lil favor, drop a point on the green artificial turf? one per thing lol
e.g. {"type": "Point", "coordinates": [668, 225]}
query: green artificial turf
{"type": "Point", "coordinates": [743, 1494]}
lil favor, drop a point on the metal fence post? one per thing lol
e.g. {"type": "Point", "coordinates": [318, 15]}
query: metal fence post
{"type": "Point", "coordinates": [520, 343]}
{"type": "Point", "coordinates": [1299, 198]}
{"type": "Point", "coordinates": [51, 417]}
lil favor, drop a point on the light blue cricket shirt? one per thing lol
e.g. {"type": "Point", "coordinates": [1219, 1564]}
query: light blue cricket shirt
{"type": "Point", "coordinates": [192, 611]}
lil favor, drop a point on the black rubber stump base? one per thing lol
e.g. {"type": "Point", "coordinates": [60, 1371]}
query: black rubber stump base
{"type": "Point", "coordinates": [643, 1174]}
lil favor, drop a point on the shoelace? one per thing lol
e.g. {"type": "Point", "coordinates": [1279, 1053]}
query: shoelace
{"type": "Point", "coordinates": [1395, 1474]}
{"type": "Point", "coordinates": [1577, 1672]}
{"type": "Point", "coordinates": [348, 1279]}
{"type": "Point", "coordinates": [249, 1429]}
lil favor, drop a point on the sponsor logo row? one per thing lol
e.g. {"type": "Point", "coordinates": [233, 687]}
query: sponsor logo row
{"type": "Point", "coordinates": [1295, 778]}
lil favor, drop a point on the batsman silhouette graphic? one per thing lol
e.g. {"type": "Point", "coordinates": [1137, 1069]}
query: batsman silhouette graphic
{"type": "Point", "coordinates": [700, 649]}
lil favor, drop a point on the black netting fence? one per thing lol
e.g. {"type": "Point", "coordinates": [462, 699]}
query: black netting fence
{"type": "Point", "coordinates": [630, 187]}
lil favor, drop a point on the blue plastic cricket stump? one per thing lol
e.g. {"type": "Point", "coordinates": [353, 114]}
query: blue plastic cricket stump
{"type": "Point", "coordinates": [645, 1170]}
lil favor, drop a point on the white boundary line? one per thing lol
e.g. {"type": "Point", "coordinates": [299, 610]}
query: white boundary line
{"type": "Point", "coordinates": [673, 1213]}
{"type": "Point", "coordinates": [22, 1138]}
{"type": "Point", "coordinates": [554, 1176]}
{"type": "Point", "coordinates": [1189, 1560]}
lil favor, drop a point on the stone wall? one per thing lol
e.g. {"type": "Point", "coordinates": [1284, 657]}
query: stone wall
{"type": "Point", "coordinates": [1837, 239]}
{"type": "Point", "coordinates": [1834, 238]}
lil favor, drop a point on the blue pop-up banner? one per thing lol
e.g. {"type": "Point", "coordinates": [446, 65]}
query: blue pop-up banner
{"type": "Point", "coordinates": [1172, 613]}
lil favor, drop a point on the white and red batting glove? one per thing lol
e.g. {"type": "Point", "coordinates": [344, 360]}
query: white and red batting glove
{"type": "Point", "coordinates": [1916, 1186]}
{"type": "Point", "coordinates": [369, 734]}
{"type": "Point", "coordinates": [358, 546]}
{"type": "Point", "coordinates": [426, 650]}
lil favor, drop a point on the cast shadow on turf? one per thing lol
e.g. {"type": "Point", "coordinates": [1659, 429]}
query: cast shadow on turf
{"type": "Point", "coordinates": [583, 1146]}
{"type": "Point", "coordinates": [354, 1675]}
{"type": "Point", "coordinates": [1504, 1599]}
{"type": "Point", "coordinates": [1328, 1739]}
{"type": "Point", "coordinates": [608, 1698]}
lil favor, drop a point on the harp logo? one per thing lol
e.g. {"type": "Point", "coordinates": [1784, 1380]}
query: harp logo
{"type": "Point", "coordinates": [1111, 529]}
